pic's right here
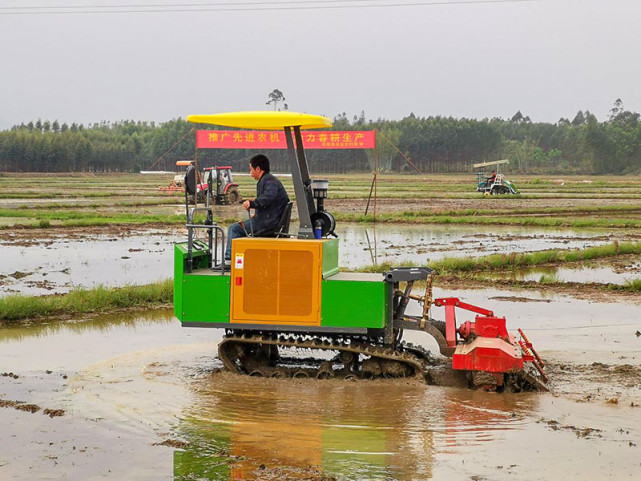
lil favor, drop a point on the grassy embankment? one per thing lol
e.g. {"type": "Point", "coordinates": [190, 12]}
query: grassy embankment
{"type": "Point", "coordinates": [479, 268]}
{"type": "Point", "coordinates": [580, 217]}
{"type": "Point", "coordinates": [419, 217]}
{"type": "Point", "coordinates": [81, 301]}
{"type": "Point", "coordinates": [43, 218]}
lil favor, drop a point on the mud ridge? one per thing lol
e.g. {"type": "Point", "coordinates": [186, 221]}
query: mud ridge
{"type": "Point", "coordinates": [580, 432]}
{"type": "Point", "coordinates": [31, 408]}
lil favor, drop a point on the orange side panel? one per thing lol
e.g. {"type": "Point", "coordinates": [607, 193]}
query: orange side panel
{"type": "Point", "coordinates": [276, 281]}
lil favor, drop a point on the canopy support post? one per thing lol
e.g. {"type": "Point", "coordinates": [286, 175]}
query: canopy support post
{"type": "Point", "coordinates": [302, 183]}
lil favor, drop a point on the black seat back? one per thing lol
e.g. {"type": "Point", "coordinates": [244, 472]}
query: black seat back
{"type": "Point", "coordinates": [190, 180]}
{"type": "Point", "coordinates": [282, 228]}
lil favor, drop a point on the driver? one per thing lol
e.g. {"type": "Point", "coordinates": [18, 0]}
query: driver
{"type": "Point", "coordinates": [271, 199]}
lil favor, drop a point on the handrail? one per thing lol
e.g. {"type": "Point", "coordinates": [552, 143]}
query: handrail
{"type": "Point", "coordinates": [212, 240]}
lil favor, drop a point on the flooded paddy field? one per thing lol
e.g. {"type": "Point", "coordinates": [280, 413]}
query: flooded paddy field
{"type": "Point", "coordinates": [135, 396]}
{"type": "Point", "coordinates": [53, 261]}
{"type": "Point", "coordinates": [620, 272]}
{"type": "Point", "coordinates": [139, 397]}
{"type": "Point", "coordinates": [49, 243]}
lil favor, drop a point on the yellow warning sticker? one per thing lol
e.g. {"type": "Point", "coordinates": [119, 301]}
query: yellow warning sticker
{"type": "Point", "coordinates": [240, 261]}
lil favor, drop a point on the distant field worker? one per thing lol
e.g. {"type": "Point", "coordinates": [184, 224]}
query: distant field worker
{"type": "Point", "coordinates": [269, 204]}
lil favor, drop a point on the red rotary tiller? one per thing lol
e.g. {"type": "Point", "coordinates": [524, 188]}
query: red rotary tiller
{"type": "Point", "coordinates": [486, 350]}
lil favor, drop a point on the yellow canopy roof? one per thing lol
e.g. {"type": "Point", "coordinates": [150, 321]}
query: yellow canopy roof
{"type": "Point", "coordinates": [263, 120]}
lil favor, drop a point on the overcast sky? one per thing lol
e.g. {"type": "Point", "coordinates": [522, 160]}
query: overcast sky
{"type": "Point", "coordinates": [546, 58]}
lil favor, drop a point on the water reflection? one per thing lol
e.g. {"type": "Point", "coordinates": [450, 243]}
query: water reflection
{"type": "Point", "coordinates": [247, 428]}
{"type": "Point", "coordinates": [582, 273]}
{"type": "Point", "coordinates": [102, 323]}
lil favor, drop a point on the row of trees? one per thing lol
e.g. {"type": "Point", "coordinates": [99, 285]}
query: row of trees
{"type": "Point", "coordinates": [429, 144]}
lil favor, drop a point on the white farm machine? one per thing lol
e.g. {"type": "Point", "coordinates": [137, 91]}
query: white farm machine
{"type": "Point", "coordinates": [494, 183]}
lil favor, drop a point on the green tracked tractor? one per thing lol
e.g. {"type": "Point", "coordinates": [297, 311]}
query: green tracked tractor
{"type": "Point", "coordinates": [285, 294]}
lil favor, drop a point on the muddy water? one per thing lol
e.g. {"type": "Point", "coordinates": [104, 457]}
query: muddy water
{"type": "Point", "coordinates": [391, 430]}
{"type": "Point", "coordinates": [57, 264]}
{"type": "Point", "coordinates": [143, 399]}
{"type": "Point", "coordinates": [584, 273]}
{"type": "Point", "coordinates": [424, 243]}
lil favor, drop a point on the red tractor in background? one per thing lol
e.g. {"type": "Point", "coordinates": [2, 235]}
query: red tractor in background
{"type": "Point", "coordinates": [217, 182]}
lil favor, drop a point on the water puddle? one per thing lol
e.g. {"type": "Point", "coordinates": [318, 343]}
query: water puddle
{"type": "Point", "coordinates": [583, 273]}
{"type": "Point", "coordinates": [58, 264]}
{"type": "Point", "coordinates": [426, 243]}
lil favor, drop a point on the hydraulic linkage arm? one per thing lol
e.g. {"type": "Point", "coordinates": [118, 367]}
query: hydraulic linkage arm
{"type": "Point", "coordinates": [399, 300]}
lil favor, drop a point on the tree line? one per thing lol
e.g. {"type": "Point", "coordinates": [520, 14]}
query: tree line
{"type": "Point", "coordinates": [427, 144]}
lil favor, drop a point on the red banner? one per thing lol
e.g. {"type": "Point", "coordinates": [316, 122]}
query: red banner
{"type": "Point", "coordinates": [271, 139]}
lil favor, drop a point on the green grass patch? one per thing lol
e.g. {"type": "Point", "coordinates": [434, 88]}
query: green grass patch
{"type": "Point", "coordinates": [496, 262]}
{"type": "Point", "coordinates": [70, 206]}
{"type": "Point", "coordinates": [81, 301]}
{"type": "Point", "coordinates": [44, 218]}
{"type": "Point", "coordinates": [382, 267]}
{"type": "Point", "coordinates": [633, 285]}
{"type": "Point", "coordinates": [501, 262]}
{"type": "Point", "coordinates": [533, 221]}
{"type": "Point", "coordinates": [547, 279]}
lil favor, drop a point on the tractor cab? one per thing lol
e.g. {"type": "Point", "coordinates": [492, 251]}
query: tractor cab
{"type": "Point", "coordinates": [219, 181]}
{"type": "Point", "coordinates": [212, 186]}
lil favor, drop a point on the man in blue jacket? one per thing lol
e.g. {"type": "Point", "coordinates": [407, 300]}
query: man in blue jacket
{"type": "Point", "coordinates": [271, 199]}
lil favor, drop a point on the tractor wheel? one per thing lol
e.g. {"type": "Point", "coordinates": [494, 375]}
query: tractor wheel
{"type": "Point", "coordinates": [232, 196]}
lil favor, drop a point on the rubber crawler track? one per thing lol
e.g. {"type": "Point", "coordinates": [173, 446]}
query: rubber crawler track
{"type": "Point", "coordinates": [413, 357]}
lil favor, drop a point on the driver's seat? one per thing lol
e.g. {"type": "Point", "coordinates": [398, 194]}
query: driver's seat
{"type": "Point", "coordinates": [282, 228]}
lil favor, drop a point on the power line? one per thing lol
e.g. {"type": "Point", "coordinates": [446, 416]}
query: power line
{"type": "Point", "coordinates": [234, 6]}
{"type": "Point", "coordinates": [199, 4]}
{"type": "Point", "coordinates": [268, 2]}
